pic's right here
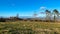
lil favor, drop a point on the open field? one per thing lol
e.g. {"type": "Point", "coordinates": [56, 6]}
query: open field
{"type": "Point", "coordinates": [22, 27]}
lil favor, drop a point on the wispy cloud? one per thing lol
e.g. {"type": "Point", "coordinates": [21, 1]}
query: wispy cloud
{"type": "Point", "coordinates": [42, 8]}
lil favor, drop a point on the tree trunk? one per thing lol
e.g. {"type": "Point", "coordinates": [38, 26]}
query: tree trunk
{"type": "Point", "coordinates": [54, 18]}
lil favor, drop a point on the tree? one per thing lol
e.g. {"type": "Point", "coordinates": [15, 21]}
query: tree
{"type": "Point", "coordinates": [56, 13]}
{"type": "Point", "coordinates": [48, 14]}
{"type": "Point", "coordinates": [2, 19]}
{"type": "Point", "coordinates": [17, 16]}
{"type": "Point", "coordinates": [35, 14]}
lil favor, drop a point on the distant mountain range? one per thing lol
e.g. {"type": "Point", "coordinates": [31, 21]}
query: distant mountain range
{"type": "Point", "coordinates": [26, 17]}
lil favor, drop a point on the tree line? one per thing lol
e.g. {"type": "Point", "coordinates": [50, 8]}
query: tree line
{"type": "Point", "coordinates": [55, 13]}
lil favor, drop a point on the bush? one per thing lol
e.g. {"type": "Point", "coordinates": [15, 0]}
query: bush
{"type": "Point", "coordinates": [2, 20]}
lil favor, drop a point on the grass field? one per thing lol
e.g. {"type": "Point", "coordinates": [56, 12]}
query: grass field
{"type": "Point", "coordinates": [22, 27]}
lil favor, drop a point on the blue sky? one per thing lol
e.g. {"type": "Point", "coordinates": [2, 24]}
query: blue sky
{"type": "Point", "coordinates": [27, 7]}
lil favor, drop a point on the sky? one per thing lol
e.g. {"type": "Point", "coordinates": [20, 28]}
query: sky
{"type": "Point", "coordinates": [27, 7]}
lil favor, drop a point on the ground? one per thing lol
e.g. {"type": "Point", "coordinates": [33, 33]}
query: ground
{"type": "Point", "coordinates": [27, 27]}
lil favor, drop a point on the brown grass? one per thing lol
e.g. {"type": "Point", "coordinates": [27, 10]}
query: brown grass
{"type": "Point", "coordinates": [35, 27]}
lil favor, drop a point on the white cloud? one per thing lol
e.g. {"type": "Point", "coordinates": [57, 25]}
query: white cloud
{"type": "Point", "coordinates": [42, 8]}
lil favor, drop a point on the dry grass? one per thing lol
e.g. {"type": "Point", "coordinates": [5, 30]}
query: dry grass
{"type": "Point", "coordinates": [35, 27]}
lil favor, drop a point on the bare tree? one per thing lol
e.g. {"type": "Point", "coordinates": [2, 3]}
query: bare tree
{"type": "Point", "coordinates": [35, 14]}
{"type": "Point", "coordinates": [48, 14]}
{"type": "Point", "coordinates": [56, 13]}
